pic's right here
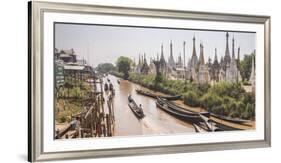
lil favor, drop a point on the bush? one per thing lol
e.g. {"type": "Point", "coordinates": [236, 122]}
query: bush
{"type": "Point", "coordinates": [224, 98]}
{"type": "Point", "coordinates": [117, 74]}
{"type": "Point", "coordinates": [217, 110]}
{"type": "Point", "coordinates": [245, 82]}
{"type": "Point", "coordinates": [62, 119]}
{"type": "Point", "coordinates": [227, 89]}
{"type": "Point", "coordinates": [249, 112]}
{"type": "Point", "coordinates": [191, 98]}
{"type": "Point", "coordinates": [210, 101]}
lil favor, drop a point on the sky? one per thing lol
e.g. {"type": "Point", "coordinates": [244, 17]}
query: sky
{"type": "Point", "coordinates": [104, 44]}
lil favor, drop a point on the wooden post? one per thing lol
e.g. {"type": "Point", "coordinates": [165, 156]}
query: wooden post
{"type": "Point", "coordinates": [91, 123]}
{"type": "Point", "coordinates": [112, 110]}
{"type": "Point", "coordinates": [99, 129]}
{"type": "Point", "coordinates": [82, 133]}
{"type": "Point", "coordinates": [108, 125]}
{"type": "Point", "coordinates": [109, 107]}
{"type": "Point", "coordinates": [104, 130]}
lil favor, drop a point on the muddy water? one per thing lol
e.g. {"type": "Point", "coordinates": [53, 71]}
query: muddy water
{"type": "Point", "coordinates": [155, 121]}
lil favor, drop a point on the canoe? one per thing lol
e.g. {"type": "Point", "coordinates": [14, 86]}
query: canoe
{"type": "Point", "coordinates": [111, 86]}
{"type": "Point", "coordinates": [233, 120]}
{"type": "Point", "coordinates": [223, 127]}
{"type": "Point", "coordinates": [198, 129]}
{"type": "Point", "coordinates": [181, 109]}
{"type": "Point", "coordinates": [105, 87]}
{"type": "Point", "coordinates": [153, 95]}
{"type": "Point", "coordinates": [180, 115]}
{"type": "Point", "coordinates": [135, 108]}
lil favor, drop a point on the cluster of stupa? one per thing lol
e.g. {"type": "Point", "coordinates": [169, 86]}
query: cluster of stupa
{"type": "Point", "coordinates": [197, 69]}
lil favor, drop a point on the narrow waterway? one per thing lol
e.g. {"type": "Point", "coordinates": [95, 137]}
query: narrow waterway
{"type": "Point", "coordinates": [156, 121]}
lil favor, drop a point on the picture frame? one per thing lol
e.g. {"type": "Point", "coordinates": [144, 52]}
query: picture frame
{"type": "Point", "coordinates": [37, 20]}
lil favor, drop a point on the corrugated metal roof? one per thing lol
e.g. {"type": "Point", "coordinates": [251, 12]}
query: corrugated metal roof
{"type": "Point", "coordinates": [73, 67]}
{"type": "Point", "coordinates": [65, 55]}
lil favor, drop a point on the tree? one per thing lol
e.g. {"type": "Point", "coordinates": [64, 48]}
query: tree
{"type": "Point", "coordinates": [246, 66]}
{"type": "Point", "coordinates": [105, 67]}
{"type": "Point", "coordinates": [124, 65]}
{"type": "Point", "coordinates": [158, 79]}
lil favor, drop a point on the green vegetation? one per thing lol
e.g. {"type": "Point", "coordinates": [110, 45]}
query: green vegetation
{"type": "Point", "coordinates": [245, 67]}
{"type": "Point", "coordinates": [158, 79]}
{"type": "Point", "coordinates": [72, 90]}
{"type": "Point", "coordinates": [117, 74]}
{"type": "Point", "coordinates": [123, 65]}
{"type": "Point", "coordinates": [105, 67]}
{"type": "Point", "coordinates": [65, 108]}
{"type": "Point", "coordinates": [70, 100]}
{"type": "Point", "coordinates": [224, 98]}
{"type": "Point", "coordinates": [191, 98]}
{"type": "Point", "coordinates": [229, 99]}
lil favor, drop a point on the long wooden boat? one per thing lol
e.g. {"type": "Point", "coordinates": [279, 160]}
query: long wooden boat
{"type": "Point", "coordinates": [198, 129]}
{"type": "Point", "coordinates": [186, 117]}
{"type": "Point", "coordinates": [111, 86]}
{"type": "Point", "coordinates": [153, 95]}
{"type": "Point", "coordinates": [181, 109]}
{"type": "Point", "coordinates": [223, 127]}
{"type": "Point", "coordinates": [233, 120]}
{"type": "Point", "coordinates": [135, 108]}
{"type": "Point", "coordinates": [105, 87]}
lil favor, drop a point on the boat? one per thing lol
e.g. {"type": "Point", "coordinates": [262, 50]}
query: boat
{"type": "Point", "coordinates": [233, 120]}
{"type": "Point", "coordinates": [180, 115]}
{"type": "Point", "coordinates": [135, 108]}
{"type": "Point", "coordinates": [181, 109]}
{"type": "Point", "coordinates": [113, 92]}
{"type": "Point", "coordinates": [223, 127]}
{"type": "Point", "coordinates": [153, 95]}
{"type": "Point", "coordinates": [198, 129]}
{"type": "Point", "coordinates": [111, 86]}
{"type": "Point", "coordinates": [105, 87]}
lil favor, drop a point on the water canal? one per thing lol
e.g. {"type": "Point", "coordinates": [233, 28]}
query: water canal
{"type": "Point", "coordinates": [156, 121]}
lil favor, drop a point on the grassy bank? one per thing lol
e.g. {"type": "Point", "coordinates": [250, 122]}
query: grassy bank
{"type": "Point", "coordinates": [224, 98]}
{"type": "Point", "coordinates": [70, 100]}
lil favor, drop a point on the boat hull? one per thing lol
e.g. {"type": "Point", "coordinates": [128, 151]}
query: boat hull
{"type": "Point", "coordinates": [152, 95]}
{"type": "Point", "coordinates": [185, 117]}
{"type": "Point", "coordinates": [238, 121]}
{"type": "Point", "coordinates": [182, 110]}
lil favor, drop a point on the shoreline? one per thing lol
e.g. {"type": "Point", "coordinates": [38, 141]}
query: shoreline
{"type": "Point", "coordinates": [246, 126]}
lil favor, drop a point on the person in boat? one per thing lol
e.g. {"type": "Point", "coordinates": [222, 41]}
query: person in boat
{"type": "Point", "coordinates": [130, 98]}
{"type": "Point", "coordinates": [141, 111]}
{"type": "Point", "coordinates": [110, 86]}
{"type": "Point", "coordinates": [113, 92]}
{"type": "Point", "coordinates": [105, 86]}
